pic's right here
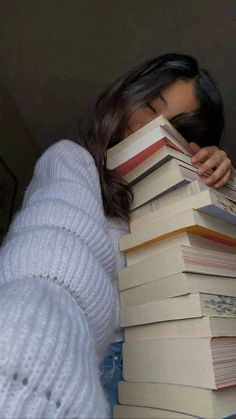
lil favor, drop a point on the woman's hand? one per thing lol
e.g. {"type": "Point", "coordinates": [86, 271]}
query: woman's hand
{"type": "Point", "coordinates": [212, 159]}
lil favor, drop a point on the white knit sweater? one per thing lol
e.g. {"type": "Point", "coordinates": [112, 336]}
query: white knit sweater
{"type": "Point", "coordinates": [60, 306]}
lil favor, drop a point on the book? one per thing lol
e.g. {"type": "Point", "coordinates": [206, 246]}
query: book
{"type": "Point", "coordinates": [188, 239]}
{"type": "Point", "coordinates": [153, 162]}
{"type": "Point", "coordinates": [170, 176]}
{"type": "Point", "coordinates": [200, 402]}
{"type": "Point", "coordinates": [174, 261]}
{"type": "Point", "coordinates": [207, 201]}
{"type": "Point", "coordinates": [176, 194]}
{"type": "Point", "coordinates": [133, 150]}
{"type": "Point", "coordinates": [162, 156]}
{"type": "Point", "coordinates": [134, 412]}
{"type": "Point", "coordinates": [198, 362]}
{"type": "Point", "coordinates": [207, 326]}
{"type": "Point", "coordinates": [176, 285]}
{"type": "Point", "coordinates": [191, 220]}
{"type": "Point", "coordinates": [171, 197]}
{"type": "Point", "coordinates": [183, 307]}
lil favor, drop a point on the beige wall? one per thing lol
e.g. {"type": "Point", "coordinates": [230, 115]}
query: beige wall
{"type": "Point", "coordinates": [17, 146]}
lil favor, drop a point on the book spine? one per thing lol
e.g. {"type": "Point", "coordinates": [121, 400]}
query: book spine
{"type": "Point", "coordinates": [138, 158]}
{"type": "Point", "coordinates": [184, 328]}
{"type": "Point", "coordinates": [151, 213]}
{"type": "Point", "coordinates": [169, 177]}
{"type": "Point", "coordinates": [160, 311]}
{"type": "Point", "coordinates": [144, 271]}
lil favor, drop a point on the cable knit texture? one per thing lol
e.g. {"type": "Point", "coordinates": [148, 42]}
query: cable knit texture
{"type": "Point", "coordinates": [58, 299]}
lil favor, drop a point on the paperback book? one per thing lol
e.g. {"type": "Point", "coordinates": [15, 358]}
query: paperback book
{"type": "Point", "coordinates": [183, 307]}
{"type": "Point", "coordinates": [177, 285]}
{"type": "Point", "coordinates": [184, 238]}
{"type": "Point", "coordinates": [172, 175]}
{"type": "Point", "coordinates": [176, 260]}
{"type": "Point", "coordinates": [207, 201]}
{"type": "Point", "coordinates": [200, 402]}
{"type": "Point", "coordinates": [199, 362]}
{"type": "Point", "coordinates": [208, 326]}
{"type": "Point", "coordinates": [134, 412]}
{"type": "Point", "coordinates": [134, 149]}
{"type": "Point", "coordinates": [191, 220]}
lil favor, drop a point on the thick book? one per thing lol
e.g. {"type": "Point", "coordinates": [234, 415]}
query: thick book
{"type": "Point", "coordinates": [200, 327]}
{"type": "Point", "coordinates": [187, 239]}
{"type": "Point", "coordinates": [172, 175]}
{"type": "Point", "coordinates": [172, 197]}
{"type": "Point", "coordinates": [134, 412]}
{"type": "Point", "coordinates": [162, 156]}
{"type": "Point", "coordinates": [175, 195]}
{"type": "Point", "coordinates": [153, 162]}
{"type": "Point", "coordinates": [191, 220]}
{"type": "Point", "coordinates": [133, 150]}
{"type": "Point", "coordinates": [208, 201]}
{"type": "Point", "coordinates": [183, 307]}
{"type": "Point", "coordinates": [176, 260]}
{"type": "Point", "coordinates": [200, 402]}
{"type": "Point", "coordinates": [177, 285]}
{"type": "Point", "coordinates": [199, 362]}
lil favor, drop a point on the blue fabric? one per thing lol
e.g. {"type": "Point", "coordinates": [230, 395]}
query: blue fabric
{"type": "Point", "coordinates": [111, 372]}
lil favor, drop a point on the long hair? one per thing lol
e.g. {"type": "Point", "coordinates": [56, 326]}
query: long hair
{"type": "Point", "coordinates": [107, 119]}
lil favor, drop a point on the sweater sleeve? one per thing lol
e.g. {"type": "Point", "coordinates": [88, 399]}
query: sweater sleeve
{"type": "Point", "coordinates": [61, 236]}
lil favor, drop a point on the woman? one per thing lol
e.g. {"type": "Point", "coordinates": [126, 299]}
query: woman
{"type": "Point", "coordinates": [59, 301]}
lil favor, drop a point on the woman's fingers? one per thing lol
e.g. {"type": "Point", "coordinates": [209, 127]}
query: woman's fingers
{"type": "Point", "coordinates": [223, 180]}
{"type": "Point", "coordinates": [219, 177]}
{"type": "Point", "coordinates": [218, 162]}
{"type": "Point", "coordinates": [194, 148]}
{"type": "Point", "coordinates": [213, 162]}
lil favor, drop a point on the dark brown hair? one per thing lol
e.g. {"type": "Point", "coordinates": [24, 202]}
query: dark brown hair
{"type": "Point", "coordinates": [106, 122]}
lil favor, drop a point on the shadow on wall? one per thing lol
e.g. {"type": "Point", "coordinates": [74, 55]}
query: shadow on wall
{"type": "Point", "coordinates": [18, 150]}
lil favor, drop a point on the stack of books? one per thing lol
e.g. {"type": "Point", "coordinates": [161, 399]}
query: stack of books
{"type": "Point", "coordinates": [178, 290]}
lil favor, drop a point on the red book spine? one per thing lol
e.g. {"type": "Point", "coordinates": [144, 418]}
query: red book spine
{"type": "Point", "coordinates": [134, 161]}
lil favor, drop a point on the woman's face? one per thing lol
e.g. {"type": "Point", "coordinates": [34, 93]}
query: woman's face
{"type": "Point", "coordinates": [175, 99]}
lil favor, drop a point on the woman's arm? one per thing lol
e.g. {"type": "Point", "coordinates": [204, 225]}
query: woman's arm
{"type": "Point", "coordinates": [60, 235]}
